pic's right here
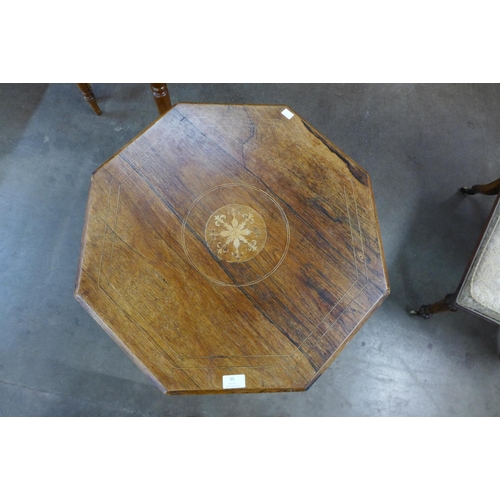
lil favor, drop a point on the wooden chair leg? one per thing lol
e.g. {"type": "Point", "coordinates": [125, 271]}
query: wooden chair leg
{"type": "Point", "coordinates": [492, 188]}
{"type": "Point", "coordinates": [162, 97]}
{"type": "Point", "coordinates": [89, 96]}
{"type": "Point", "coordinates": [426, 311]}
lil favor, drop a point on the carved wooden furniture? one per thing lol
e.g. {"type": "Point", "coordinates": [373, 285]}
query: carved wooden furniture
{"type": "Point", "coordinates": [231, 249]}
{"type": "Point", "coordinates": [88, 95]}
{"type": "Point", "coordinates": [479, 289]}
{"type": "Point", "coordinates": [160, 94]}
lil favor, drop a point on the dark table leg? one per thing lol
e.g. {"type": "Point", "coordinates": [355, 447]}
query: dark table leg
{"type": "Point", "coordinates": [426, 311]}
{"type": "Point", "coordinates": [490, 189]}
{"type": "Point", "coordinates": [89, 96]}
{"type": "Point", "coordinates": [162, 97]}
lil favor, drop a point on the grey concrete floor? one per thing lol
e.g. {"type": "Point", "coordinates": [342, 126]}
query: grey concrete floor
{"type": "Point", "coordinates": [419, 143]}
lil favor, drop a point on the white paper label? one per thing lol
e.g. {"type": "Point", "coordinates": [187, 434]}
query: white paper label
{"type": "Point", "coordinates": [233, 381]}
{"type": "Point", "coordinates": [287, 113]}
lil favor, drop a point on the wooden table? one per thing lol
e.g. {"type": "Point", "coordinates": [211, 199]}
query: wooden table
{"type": "Point", "coordinates": [231, 248]}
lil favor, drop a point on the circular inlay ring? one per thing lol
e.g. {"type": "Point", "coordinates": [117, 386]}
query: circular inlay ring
{"type": "Point", "coordinates": [226, 236]}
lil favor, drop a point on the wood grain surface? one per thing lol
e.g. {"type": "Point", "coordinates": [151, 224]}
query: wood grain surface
{"type": "Point", "coordinates": [231, 240]}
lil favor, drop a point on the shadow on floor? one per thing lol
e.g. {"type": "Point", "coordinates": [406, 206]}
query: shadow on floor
{"type": "Point", "coordinates": [435, 253]}
{"type": "Point", "coordinates": [20, 101]}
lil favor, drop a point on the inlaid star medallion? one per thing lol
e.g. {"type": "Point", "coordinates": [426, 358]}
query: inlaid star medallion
{"type": "Point", "coordinates": [235, 233]}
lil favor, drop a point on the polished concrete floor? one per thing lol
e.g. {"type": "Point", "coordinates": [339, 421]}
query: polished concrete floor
{"type": "Point", "coordinates": [419, 143]}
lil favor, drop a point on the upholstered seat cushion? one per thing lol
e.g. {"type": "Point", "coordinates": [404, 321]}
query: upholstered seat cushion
{"type": "Point", "coordinates": [480, 290]}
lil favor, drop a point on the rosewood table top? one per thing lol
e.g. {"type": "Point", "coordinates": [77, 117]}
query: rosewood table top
{"type": "Point", "coordinates": [231, 248]}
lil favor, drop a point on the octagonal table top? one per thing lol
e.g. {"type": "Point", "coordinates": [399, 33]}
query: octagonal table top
{"type": "Point", "coordinates": [231, 248]}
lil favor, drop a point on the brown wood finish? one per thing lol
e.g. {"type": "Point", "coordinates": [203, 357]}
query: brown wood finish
{"type": "Point", "coordinates": [89, 96]}
{"type": "Point", "coordinates": [231, 240]}
{"type": "Point", "coordinates": [493, 188]}
{"type": "Point", "coordinates": [447, 304]}
{"type": "Point", "coordinates": [162, 97]}
{"type": "Point", "coordinates": [159, 90]}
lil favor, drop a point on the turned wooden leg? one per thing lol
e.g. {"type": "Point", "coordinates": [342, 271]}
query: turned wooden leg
{"type": "Point", "coordinates": [89, 96]}
{"type": "Point", "coordinates": [490, 189]}
{"type": "Point", "coordinates": [162, 97]}
{"type": "Point", "coordinates": [426, 311]}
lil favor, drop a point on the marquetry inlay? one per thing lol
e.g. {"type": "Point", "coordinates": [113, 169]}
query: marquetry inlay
{"type": "Point", "coordinates": [237, 224]}
{"type": "Point", "coordinates": [231, 248]}
{"type": "Point", "coordinates": [235, 233]}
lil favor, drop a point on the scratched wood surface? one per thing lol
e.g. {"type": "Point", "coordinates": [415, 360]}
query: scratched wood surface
{"type": "Point", "coordinates": [231, 240]}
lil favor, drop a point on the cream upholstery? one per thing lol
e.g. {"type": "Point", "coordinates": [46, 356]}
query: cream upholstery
{"type": "Point", "coordinates": [480, 290]}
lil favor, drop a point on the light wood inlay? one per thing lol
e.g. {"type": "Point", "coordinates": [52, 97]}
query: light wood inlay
{"type": "Point", "coordinates": [235, 233]}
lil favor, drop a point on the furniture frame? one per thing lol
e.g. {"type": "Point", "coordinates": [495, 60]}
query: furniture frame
{"type": "Point", "coordinates": [159, 90]}
{"type": "Point", "coordinates": [451, 301]}
{"type": "Point", "coordinates": [231, 248]}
